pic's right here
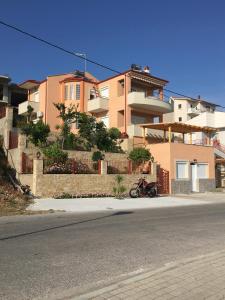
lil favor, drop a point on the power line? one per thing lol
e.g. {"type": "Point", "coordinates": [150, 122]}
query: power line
{"type": "Point", "coordinates": [57, 47]}
{"type": "Point", "coordinates": [77, 55]}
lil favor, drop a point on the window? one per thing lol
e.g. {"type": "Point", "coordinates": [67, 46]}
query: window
{"type": "Point", "coordinates": [71, 93]}
{"type": "Point", "coordinates": [156, 120]}
{"type": "Point", "coordinates": [66, 91]}
{"type": "Point", "coordinates": [179, 106]}
{"type": "Point", "coordinates": [105, 92]}
{"type": "Point", "coordinates": [202, 170]}
{"type": "Point", "coordinates": [180, 119]}
{"type": "Point", "coordinates": [182, 169]}
{"type": "Point", "coordinates": [77, 92]}
{"type": "Point", "coordinates": [137, 119]}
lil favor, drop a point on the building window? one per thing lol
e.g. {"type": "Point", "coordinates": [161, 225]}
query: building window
{"type": "Point", "coordinates": [179, 106]}
{"type": "Point", "coordinates": [72, 92]}
{"type": "Point", "coordinates": [104, 92]}
{"type": "Point", "coordinates": [77, 92]}
{"type": "Point", "coordinates": [156, 120]}
{"type": "Point", "coordinates": [202, 170]}
{"type": "Point", "coordinates": [182, 170]}
{"type": "Point", "coordinates": [66, 91]}
{"type": "Point", "coordinates": [180, 119]}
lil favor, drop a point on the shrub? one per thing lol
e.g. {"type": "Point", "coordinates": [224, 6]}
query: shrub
{"type": "Point", "coordinates": [54, 153]}
{"type": "Point", "coordinates": [97, 155]}
{"type": "Point", "coordinates": [140, 155]}
{"type": "Point", "coordinates": [119, 189]}
{"type": "Point", "coordinates": [36, 133]}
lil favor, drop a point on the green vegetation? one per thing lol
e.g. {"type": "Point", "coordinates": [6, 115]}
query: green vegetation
{"type": "Point", "coordinates": [119, 189]}
{"type": "Point", "coordinates": [140, 155]}
{"type": "Point", "coordinates": [55, 154]}
{"type": "Point", "coordinates": [37, 133]}
{"type": "Point", "coordinates": [97, 155]}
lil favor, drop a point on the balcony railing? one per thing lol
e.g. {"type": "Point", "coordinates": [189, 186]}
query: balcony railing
{"type": "Point", "coordinates": [194, 111]}
{"type": "Point", "coordinates": [97, 105]}
{"type": "Point", "coordinates": [23, 107]}
{"type": "Point", "coordinates": [150, 103]}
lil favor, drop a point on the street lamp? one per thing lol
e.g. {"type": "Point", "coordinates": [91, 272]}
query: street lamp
{"type": "Point", "coordinates": [85, 60]}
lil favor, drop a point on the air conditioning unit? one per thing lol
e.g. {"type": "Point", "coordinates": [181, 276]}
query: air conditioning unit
{"type": "Point", "coordinates": [39, 114]}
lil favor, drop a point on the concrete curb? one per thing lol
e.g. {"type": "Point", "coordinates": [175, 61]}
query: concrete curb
{"type": "Point", "coordinates": [167, 267]}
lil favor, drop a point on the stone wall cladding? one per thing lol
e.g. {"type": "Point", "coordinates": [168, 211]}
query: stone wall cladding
{"type": "Point", "coordinates": [26, 179]}
{"type": "Point", "coordinates": [49, 185]}
{"type": "Point", "coordinates": [206, 185]}
{"type": "Point", "coordinates": [88, 155]}
{"type": "Point", "coordinates": [181, 186]}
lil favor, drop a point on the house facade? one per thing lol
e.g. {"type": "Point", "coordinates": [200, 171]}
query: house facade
{"type": "Point", "coordinates": [123, 101]}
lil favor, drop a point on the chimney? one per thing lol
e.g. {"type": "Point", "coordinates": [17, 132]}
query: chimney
{"type": "Point", "coordinates": [146, 69]}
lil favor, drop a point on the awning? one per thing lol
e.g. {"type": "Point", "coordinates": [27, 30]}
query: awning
{"type": "Point", "coordinates": [178, 127]}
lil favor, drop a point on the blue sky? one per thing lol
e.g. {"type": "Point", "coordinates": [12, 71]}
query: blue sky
{"type": "Point", "coordinates": [182, 41]}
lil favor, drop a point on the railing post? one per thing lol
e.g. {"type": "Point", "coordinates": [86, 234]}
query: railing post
{"type": "Point", "coordinates": [37, 171]}
{"type": "Point", "coordinates": [102, 167]}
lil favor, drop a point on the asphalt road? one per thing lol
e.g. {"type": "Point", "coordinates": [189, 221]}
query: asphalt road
{"type": "Point", "coordinates": [50, 256]}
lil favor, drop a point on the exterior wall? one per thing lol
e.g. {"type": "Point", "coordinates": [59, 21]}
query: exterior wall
{"type": "Point", "coordinates": [206, 185]}
{"type": "Point", "coordinates": [49, 185]}
{"type": "Point", "coordinates": [53, 96]}
{"type": "Point", "coordinates": [26, 179]}
{"type": "Point", "coordinates": [190, 152]}
{"type": "Point", "coordinates": [181, 186]}
{"type": "Point", "coordinates": [166, 155]}
{"type": "Point", "coordinates": [88, 155]}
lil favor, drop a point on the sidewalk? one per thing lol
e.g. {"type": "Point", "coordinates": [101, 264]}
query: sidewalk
{"type": "Point", "coordinates": [198, 278]}
{"type": "Point", "coordinates": [110, 203]}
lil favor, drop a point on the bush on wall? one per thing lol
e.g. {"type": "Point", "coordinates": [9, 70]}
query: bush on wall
{"type": "Point", "coordinates": [140, 155]}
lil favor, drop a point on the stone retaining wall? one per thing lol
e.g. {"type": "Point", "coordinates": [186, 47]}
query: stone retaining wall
{"type": "Point", "coordinates": [49, 185]}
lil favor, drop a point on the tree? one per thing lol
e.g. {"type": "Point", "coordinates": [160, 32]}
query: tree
{"type": "Point", "coordinates": [37, 133]}
{"type": "Point", "coordinates": [140, 155]}
{"type": "Point", "coordinates": [68, 115]}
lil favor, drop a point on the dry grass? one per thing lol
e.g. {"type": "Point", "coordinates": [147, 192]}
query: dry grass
{"type": "Point", "coordinates": [11, 201]}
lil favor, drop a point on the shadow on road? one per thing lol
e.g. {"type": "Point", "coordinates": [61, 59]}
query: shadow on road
{"type": "Point", "coordinates": [119, 213]}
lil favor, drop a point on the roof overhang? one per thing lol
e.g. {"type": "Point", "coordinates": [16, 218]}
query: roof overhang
{"type": "Point", "coordinates": [30, 84]}
{"type": "Point", "coordinates": [178, 127]}
{"type": "Point", "coordinates": [148, 78]}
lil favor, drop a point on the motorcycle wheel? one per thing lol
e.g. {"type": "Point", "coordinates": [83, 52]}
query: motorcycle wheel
{"type": "Point", "coordinates": [152, 193]}
{"type": "Point", "coordinates": [134, 193]}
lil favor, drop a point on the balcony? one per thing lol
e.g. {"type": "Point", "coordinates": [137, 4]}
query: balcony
{"type": "Point", "coordinates": [194, 111]}
{"type": "Point", "coordinates": [154, 104]}
{"type": "Point", "coordinates": [97, 105]}
{"type": "Point", "coordinates": [23, 107]}
{"type": "Point", "coordinates": [136, 130]}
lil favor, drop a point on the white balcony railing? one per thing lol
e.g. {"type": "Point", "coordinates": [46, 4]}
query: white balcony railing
{"type": "Point", "coordinates": [23, 107]}
{"type": "Point", "coordinates": [194, 111]}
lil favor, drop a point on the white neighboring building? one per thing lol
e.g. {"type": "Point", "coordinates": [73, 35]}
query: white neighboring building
{"type": "Point", "coordinates": [197, 112]}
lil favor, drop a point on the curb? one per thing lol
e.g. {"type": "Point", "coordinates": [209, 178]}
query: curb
{"type": "Point", "coordinates": [167, 267]}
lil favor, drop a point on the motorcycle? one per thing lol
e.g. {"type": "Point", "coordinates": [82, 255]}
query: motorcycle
{"type": "Point", "coordinates": [143, 188]}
